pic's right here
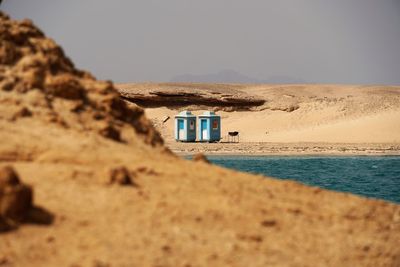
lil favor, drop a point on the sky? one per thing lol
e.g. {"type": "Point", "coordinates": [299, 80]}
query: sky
{"type": "Point", "coordinates": [317, 41]}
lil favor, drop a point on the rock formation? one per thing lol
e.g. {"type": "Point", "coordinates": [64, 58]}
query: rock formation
{"type": "Point", "coordinates": [179, 96]}
{"type": "Point", "coordinates": [43, 82]}
{"type": "Point", "coordinates": [15, 199]}
{"type": "Point", "coordinates": [201, 158]}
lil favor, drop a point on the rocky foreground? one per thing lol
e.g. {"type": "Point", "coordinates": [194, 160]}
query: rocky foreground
{"type": "Point", "coordinates": [85, 180]}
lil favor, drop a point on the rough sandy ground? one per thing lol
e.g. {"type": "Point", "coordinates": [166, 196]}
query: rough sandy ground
{"type": "Point", "coordinates": [118, 197]}
{"type": "Point", "coordinates": [263, 148]}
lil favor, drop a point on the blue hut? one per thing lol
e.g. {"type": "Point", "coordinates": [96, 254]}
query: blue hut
{"type": "Point", "coordinates": [209, 127]}
{"type": "Point", "coordinates": [185, 127]}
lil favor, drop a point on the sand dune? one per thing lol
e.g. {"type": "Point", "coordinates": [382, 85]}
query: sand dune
{"type": "Point", "coordinates": [380, 128]}
{"type": "Point", "coordinates": [300, 113]}
{"type": "Point", "coordinates": [315, 126]}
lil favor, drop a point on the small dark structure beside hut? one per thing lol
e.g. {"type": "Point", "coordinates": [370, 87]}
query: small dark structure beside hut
{"type": "Point", "coordinates": [233, 137]}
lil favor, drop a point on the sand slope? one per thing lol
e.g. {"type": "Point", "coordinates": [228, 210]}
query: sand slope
{"type": "Point", "coordinates": [67, 135]}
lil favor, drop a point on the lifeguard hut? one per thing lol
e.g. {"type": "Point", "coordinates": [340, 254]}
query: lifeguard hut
{"type": "Point", "coordinates": [185, 127]}
{"type": "Point", "coordinates": [209, 127]}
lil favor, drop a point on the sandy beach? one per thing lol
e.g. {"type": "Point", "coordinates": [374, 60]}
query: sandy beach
{"type": "Point", "coordinates": [276, 149]}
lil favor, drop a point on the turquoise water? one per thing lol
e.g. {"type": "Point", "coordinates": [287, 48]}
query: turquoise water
{"type": "Point", "coordinates": [376, 177]}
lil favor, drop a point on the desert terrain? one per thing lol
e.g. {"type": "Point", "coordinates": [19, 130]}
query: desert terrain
{"type": "Point", "coordinates": [336, 119]}
{"type": "Point", "coordinates": [86, 180]}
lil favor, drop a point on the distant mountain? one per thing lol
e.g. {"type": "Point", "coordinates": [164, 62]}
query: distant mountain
{"type": "Point", "coordinates": [224, 76]}
{"type": "Point", "coordinates": [231, 76]}
{"type": "Point", "coordinates": [282, 79]}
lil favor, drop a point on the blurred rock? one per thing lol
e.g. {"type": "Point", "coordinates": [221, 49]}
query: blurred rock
{"type": "Point", "coordinates": [121, 176]}
{"type": "Point", "coordinates": [15, 197]}
{"type": "Point", "coordinates": [29, 61]}
{"type": "Point", "coordinates": [201, 157]}
{"type": "Point", "coordinates": [110, 132]}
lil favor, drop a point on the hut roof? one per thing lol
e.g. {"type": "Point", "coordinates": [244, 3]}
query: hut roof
{"type": "Point", "coordinates": [185, 114]}
{"type": "Point", "coordinates": [208, 114]}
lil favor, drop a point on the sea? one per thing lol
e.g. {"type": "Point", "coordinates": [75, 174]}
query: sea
{"type": "Point", "coordinates": [370, 176]}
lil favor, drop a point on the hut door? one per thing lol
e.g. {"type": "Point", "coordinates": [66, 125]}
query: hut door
{"type": "Point", "coordinates": [203, 129]}
{"type": "Point", "coordinates": [181, 130]}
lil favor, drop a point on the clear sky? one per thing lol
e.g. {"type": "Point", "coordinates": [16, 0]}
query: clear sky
{"type": "Point", "coordinates": [319, 41]}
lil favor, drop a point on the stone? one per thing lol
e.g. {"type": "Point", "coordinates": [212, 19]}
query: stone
{"type": "Point", "coordinates": [201, 158]}
{"type": "Point", "coordinates": [111, 132]}
{"type": "Point", "coordinates": [121, 176]}
{"type": "Point", "coordinates": [15, 198]}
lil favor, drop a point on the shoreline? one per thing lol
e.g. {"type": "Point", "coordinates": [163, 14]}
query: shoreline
{"type": "Point", "coordinates": [185, 154]}
{"type": "Point", "coordinates": [285, 149]}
